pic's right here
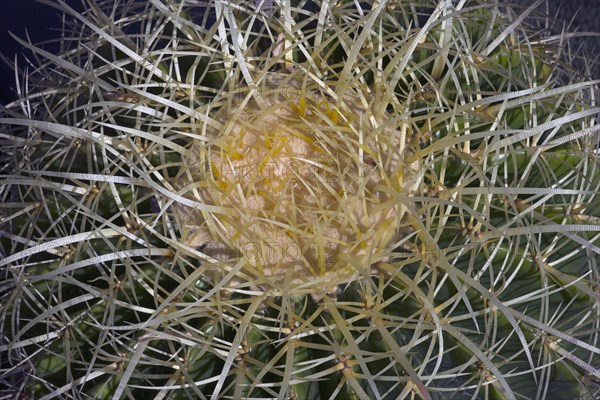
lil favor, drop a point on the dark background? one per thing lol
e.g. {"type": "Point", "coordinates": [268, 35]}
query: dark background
{"type": "Point", "coordinates": [42, 23]}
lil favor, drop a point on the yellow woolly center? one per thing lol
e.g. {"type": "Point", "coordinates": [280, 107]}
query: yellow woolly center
{"type": "Point", "coordinates": [308, 193]}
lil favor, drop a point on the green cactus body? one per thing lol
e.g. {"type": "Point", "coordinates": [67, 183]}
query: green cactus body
{"type": "Point", "coordinates": [301, 200]}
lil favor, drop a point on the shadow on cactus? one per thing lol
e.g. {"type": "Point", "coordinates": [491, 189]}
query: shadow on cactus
{"type": "Point", "coordinates": [305, 200]}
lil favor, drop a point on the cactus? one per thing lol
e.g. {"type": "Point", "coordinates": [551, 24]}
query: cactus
{"type": "Point", "coordinates": [301, 200]}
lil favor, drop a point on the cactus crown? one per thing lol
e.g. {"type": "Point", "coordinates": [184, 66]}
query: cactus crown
{"type": "Point", "coordinates": [305, 186]}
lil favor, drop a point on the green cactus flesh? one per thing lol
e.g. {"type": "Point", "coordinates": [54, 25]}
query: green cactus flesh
{"type": "Point", "coordinates": [301, 200]}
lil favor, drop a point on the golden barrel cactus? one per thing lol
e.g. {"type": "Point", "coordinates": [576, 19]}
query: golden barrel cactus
{"type": "Point", "coordinates": [301, 200]}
